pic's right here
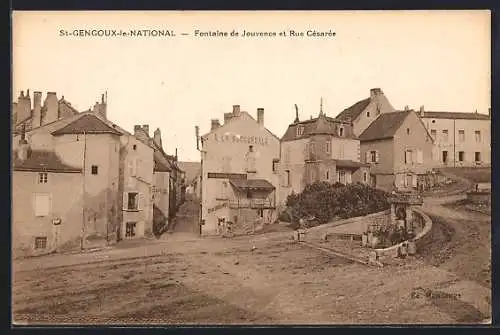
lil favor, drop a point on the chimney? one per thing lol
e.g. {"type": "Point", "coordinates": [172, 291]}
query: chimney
{"type": "Point", "coordinates": [296, 114]}
{"type": "Point", "coordinates": [215, 124]}
{"type": "Point", "coordinates": [51, 106]}
{"type": "Point", "coordinates": [422, 111]}
{"type": "Point", "coordinates": [157, 137]}
{"type": "Point", "coordinates": [227, 117]}
{"type": "Point", "coordinates": [374, 92]}
{"type": "Point", "coordinates": [37, 109]}
{"type": "Point", "coordinates": [236, 110]}
{"type": "Point", "coordinates": [23, 107]}
{"type": "Point", "coordinates": [23, 148]}
{"type": "Point", "coordinates": [100, 108]}
{"type": "Point", "coordinates": [407, 108]}
{"type": "Point", "coordinates": [137, 129]}
{"type": "Point", "coordinates": [145, 127]}
{"type": "Point", "coordinates": [260, 116]}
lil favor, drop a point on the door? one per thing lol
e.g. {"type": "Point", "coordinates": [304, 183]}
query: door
{"type": "Point", "coordinates": [445, 157]}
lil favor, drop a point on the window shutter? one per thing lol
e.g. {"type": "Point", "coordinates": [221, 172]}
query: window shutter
{"type": "Point", "coordinates": [420, 156]}
{"type": "Point", "coordinates": [140, 201]}
{"type": "Point", "coordinates": [414, 181]}
{"type": "Point", "coordinates": [367, 157]}
{"type": "Point", "coordinates": [377, 156]}
{"type": "Point", "coordinates": [125, 201]}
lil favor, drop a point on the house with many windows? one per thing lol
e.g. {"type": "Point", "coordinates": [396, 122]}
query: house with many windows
{"type": "Point", "coordinates": [319, 149]}
{"type": "Point", "coordinates": [239, 173]}
{"type": "Point", "coordinates": [462, 139]}
{"type": "Point", "coordinates": [398, 148]}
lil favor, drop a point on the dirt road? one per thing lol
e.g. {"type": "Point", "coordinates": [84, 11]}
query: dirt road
{"type": "Point", "coordinates": [262, 279]}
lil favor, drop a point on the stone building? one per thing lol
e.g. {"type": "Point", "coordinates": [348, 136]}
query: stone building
{"type": "Point", "coordinates": [462, 139]}
{"type": "Point", "coordinates": [364, 112]}
{"type": "Point", "coordinates": [398, 148]}
{"type": "Point", "coordinates": [319, 149]}
{"type": "Point", "coordinates": [239, 176]}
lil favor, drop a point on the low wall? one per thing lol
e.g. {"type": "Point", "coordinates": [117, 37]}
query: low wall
{"type": "Point", "coordinates": [357, 225]}
{"type": "Point", "coordinates": [479, 197]}
{"type": "Point", "coordinates": [393, 250]}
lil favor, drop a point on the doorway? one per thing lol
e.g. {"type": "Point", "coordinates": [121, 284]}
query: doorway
{"type": "Point", "coordinates": [445, 157]}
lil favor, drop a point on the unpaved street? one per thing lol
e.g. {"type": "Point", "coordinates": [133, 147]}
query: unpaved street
{"type": "Point", "coordinates": [262, 279]}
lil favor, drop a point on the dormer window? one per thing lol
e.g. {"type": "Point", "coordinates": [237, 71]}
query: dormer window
{"type": "Point", "coordinates": [300, 131]}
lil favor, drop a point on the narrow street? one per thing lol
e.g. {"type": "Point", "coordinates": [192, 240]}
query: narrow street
{"type": "Point", "coordinates": [262, 279]}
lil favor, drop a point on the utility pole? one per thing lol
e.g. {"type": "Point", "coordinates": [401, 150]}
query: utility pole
{"type": "Point", "coordinates": [200, 215]}
{"type": "Point", "coordinates": [83, 187]}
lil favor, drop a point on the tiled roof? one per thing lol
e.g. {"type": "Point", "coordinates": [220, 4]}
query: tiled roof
{"type": "Point", "coordinates": [354, 111]}
{"type": "Point", "coordinates": [42, 161]}
{"type": "Point", "coordinates": [345, 163]}
{"type": "Point", "coordinates": [258, 184]}
{"type": "Point", "coordinates": [88, 123]}
{"type": "Point", "coordinates": [456, 116]}
{"type": "Point", "coordinates": [320, 125]}
{"type": "Point", "coordinates": [160, 166]}
{"type": "Point", "coordinates": [385, 126]}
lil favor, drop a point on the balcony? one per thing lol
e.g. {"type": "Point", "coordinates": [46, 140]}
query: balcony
{"type": "Point", "coordinates": [252, 203]}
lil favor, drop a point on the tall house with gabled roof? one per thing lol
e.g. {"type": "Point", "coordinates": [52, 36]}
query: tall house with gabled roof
{"type": "Point", "coordinates": [462, 139]}
{"type": "Point", "coordinates": [319, 149]}
{"type": "Point", "coordinates": [364, 112]}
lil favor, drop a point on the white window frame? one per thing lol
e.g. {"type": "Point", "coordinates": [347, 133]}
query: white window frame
{"type": "Point", "coordinates": [461, 135]}
{"type": "Point", "coordinates": [477, 136]}
{"type": "Point", "coordinates": [446, 135]}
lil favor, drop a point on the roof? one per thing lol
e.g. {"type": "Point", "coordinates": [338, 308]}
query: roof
{"type": "Point", "coordinates": [354, 111]}
{"type": "Point", "coordinates": [88, 123]}
{"type": "Point", "coordinates": [457, 116]}
{"type": "Point", "coordinates": [350, 164]}
{"type": "Point", "coordinates": [320, 125]}
{"type": "Point", "coordinates": [42, 161]}
{"type": "Point", "coordinates": [160, 166]}
{"type": "Point", "coordinates": [256, 184]}
{"type": "Point", "coordinates": [385, 126]}
{"type": "Point", "coordinates": [192, 169]}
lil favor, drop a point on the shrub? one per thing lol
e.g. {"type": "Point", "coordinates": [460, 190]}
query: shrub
{"type": "Point", "coordinates": [324, 201]}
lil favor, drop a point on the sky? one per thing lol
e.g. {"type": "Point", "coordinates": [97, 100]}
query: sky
{"type": "Point", "coordinates": [438, 59]}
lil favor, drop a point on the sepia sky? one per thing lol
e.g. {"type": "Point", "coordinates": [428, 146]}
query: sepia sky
{"type": "Point", "coordinates": [439, 59]}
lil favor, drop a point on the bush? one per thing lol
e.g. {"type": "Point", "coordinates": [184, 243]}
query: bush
{"type": "Point", "coordinates": [324, 201]}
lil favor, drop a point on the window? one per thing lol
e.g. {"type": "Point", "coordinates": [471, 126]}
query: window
{"type": "Point", "coordinates": [461, 135]}
{"type": "Point", "coordinates": [342, 177]}
{"type": "Point", "coordinates": [312, 148]}
{"type": "Point", "coordinates": [433, 133]}
{"type": "Point", "coordinates": [312, 176]}
{"type": "Point", "coordinates": [300, 131]}
{"type": "Point", "coordinates": [134, 147]}
{"type": "Point", "coordinates": [372, 156]}
{"type": "Point", "coordinates": [341, 151]}
{"type": "Point", "coordinates": [433, 121]}
{"type": "Point", "coordinates": [341, 131]}
{"type": "Point", "coordinates": [288, 180]}
{"type": "Point", "coordinates": [42, 178]}
{"type": "Point", "coordinates": [261, 212]}
{"type": "Point", "coordinates": [445, 156]}
{"type": "Point", "coordinates": [327, 175]}
{"type": "Point", "coordinates": [130, 229]}
{"type": "Point", "coordinates": [95, 169]}
{"type": "Point", "coordinates": [275, 165]}
{"type": "Point", "coordinates": [250, 159]}
{"type": "Point", "coordinates": [328, 147]}
{"type": "Point", "coordinates": [40, 242]}
{"type": "Point", "coordinates": [477, 156]}
{"type": "Point", "coordinates": [420, 156]}
{"type": "Point", "coordinates": [367, 114]}
{"type": "Point", "coordinates": [408, 157]}
{"type": "Point", "coordinates": [365, 176]}
{"type": "Point", "coordinates": [445, 135]}
{"type": "Point", "coordinates": [42, 204]}
{"type": "Point", "coordinates": [407, 131]}
{"type": "Point", "coordinates": [477, 134]}
{"type": "Point", "coordinates": [133, 201]}
{"type": "Point", "coordinates": [461, 156]}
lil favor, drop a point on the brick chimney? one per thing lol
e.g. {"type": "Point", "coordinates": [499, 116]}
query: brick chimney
{"type": "Point", "coordinates": [157, 137]}
{"type": "Point", "coordinates": [23, 106]}
{"type": "Point", "coordinates": [236, 110]}
{"type": "Point", "coordinates": [260, 116]}
{"type": "Point", "coordinates": [374, 92]}
{"type": "Point", "coordinates": [215, 124]}
{"type": "Point", "coordinates": [227, 117]}
{"type": "Point", "coordinates": [422, 111]}
{"type": "Point", "coordinates": [23, 148]}
{"type": "Point", "coordinates": [100, 108]}
{"type": "Point", "coordinates": [37, 109]}
{"type": "Point", "coordinates": [51, 107]}
{"type": "Point", "coordinates": [145, 127]}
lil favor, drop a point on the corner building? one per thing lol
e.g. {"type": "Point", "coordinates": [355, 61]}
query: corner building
{"type": "Point", "coordinates": [239, 173]}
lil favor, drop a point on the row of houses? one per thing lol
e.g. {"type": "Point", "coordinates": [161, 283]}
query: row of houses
{"type": "Point", "coordinates": [80, 181]}
{"type": "Point", "coordinates": [247, 172]}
